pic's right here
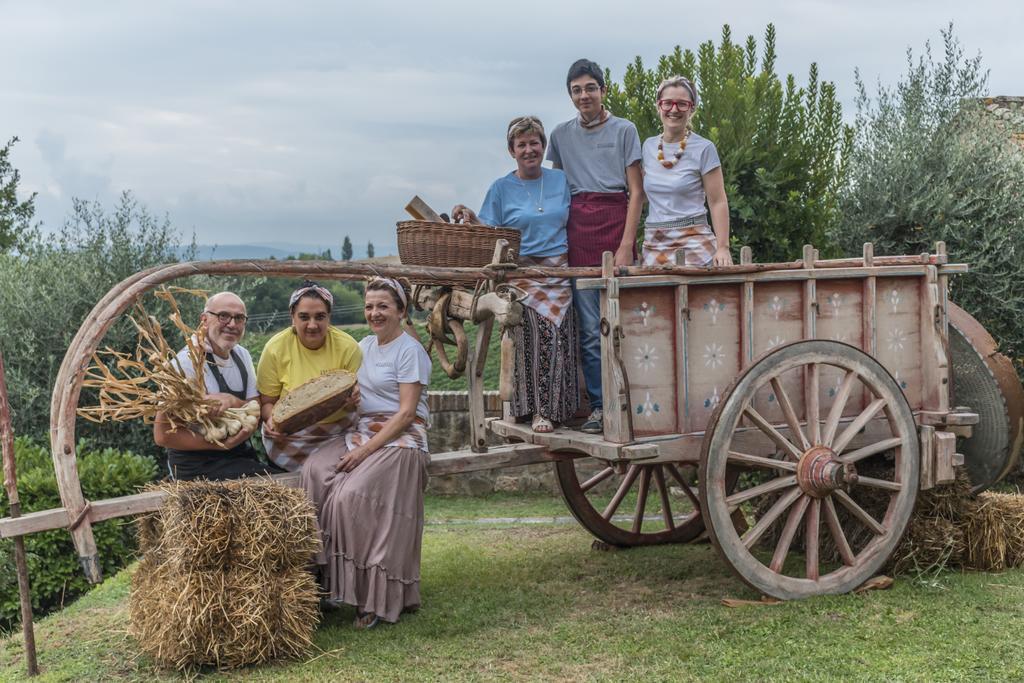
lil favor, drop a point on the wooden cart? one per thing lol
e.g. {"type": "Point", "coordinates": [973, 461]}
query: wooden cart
{"type": "Point", "coordinates": [792, 412]}
{"type": "Point", "coordinates": [789, 411]}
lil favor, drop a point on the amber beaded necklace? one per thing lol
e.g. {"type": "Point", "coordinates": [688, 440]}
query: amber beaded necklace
{"type": "Point", "coordinates": [678, 154]}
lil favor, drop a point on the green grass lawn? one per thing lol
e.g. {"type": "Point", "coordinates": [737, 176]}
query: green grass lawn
{"type": "Point", "coordinates": [536, 602]}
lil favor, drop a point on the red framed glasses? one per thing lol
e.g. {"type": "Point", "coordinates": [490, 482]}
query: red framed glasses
{"type": "Point", "coordinates": [682, 105]}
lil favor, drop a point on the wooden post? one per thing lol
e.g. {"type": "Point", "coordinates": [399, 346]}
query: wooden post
{"type": "Point", "coordinates": [940, 253]}
{"type": "Point", "coordinates": [477, 362]}
{"type": "Point", "coordinates": [682, 371]}
{"type": "Point", "coordinates": [935, 388]}
{"type": "Point", "coordinates": [869, 313]}
{"type": "Point", "coordinates": [809, 314]}
{"type": "Point", "coordinates": [11, 486]}
{"type": "Point", "coordinates": [616, 402]}
{"type": "Point", "coordinates": [746, 313]}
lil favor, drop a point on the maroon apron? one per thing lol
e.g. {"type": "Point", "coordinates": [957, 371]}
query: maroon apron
{"type": "Point", "coordinates": [596, 222]}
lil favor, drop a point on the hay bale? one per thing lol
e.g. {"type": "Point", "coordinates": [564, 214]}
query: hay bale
{"type": "Point", "coordinates": [931, 543]}
{"type": "Point", "coordinates": [244, 598]}
{"type": "Point", "coordinates": [995, 532]}
{"type": "Point", "coordinates": [275, 532]}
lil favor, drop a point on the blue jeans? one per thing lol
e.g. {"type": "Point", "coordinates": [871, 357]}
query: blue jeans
{"type": "Point", "coordinates": [587, 303]}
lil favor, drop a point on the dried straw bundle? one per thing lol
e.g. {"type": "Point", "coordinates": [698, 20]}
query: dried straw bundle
{"type": "Point", "coordinates": [226, 619]}
{"type": "Point", "coordinates": [936, 537]}
{"type": "Point", "coordinates": [152, 381]}
{"type": "Point", "coordinates": [223, 580]}
{"type": "Point", "coordinates": [995, 532]}
{"type": "Point", "coordinates": [931, 543]}
{"type": "Point", "coordinates": [252, 522]}
{"type": "Point", "coordinates": [282, 536]}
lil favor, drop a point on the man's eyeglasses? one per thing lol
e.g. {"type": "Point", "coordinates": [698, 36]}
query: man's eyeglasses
{"type": "Point", "coordinates": [681, 105]}
{"type": "Point", "coordinates": [591, 89]}
{"type": "Point", "coordinates": [224, 317]}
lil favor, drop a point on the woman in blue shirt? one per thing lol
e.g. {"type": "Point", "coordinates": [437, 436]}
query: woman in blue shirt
{"type": "Point", "coordinates": [535, 200]}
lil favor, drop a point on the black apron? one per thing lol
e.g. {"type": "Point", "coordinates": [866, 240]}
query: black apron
{"type": "Point", "coordinates": [217, 465]}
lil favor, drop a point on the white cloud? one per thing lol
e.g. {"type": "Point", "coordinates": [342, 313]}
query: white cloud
{"type": "Point", "coordinates": [258, 120]}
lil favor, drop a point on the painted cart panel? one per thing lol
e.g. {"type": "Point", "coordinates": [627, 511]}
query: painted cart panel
{"type": "Point", "coordinates": [684, 339]}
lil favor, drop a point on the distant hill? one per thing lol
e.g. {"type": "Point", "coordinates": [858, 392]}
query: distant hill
{"type": "Point", "coordinates": [281, 250]}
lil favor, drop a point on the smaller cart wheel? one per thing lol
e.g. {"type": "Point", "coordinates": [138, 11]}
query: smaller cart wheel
{"type": "Point", "coordinates": [634, 505]}
{"type": "Point", "coordinates": [835, 483]}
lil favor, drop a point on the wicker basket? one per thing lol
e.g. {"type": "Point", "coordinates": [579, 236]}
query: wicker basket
{"type": "Point", "coordinates": [452, 245]}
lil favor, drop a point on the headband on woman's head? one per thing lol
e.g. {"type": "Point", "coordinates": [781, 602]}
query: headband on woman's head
{"type": "Point", "coordinates": [322, 292]}
{"type": "Point", "coordinates": [395, 285]}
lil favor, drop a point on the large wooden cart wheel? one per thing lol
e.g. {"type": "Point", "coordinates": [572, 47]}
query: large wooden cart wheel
{"type": "Point", "coordinates": [631, 505]}
{"type": "Point", "coordinates": [828, 488]}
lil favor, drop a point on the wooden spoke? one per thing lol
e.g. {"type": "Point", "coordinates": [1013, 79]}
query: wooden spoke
{"type": "Point", "coordinates": [811, 399]}
{"type": "Point", "coordinates": [858, 512]}
{"type": "Point", "coordinates": [761, 489]}
{"type": "Point", "coordinates": [771, 432]}
{"type": "Point", "coordinates": [788, 532]}
{"type": "Point", "coordinates": [620, 493]}
{"type": "Point", "coordinates": [666, 508]}
{"type": "Point", "coordinates": [858, 424]}
{"type": "Point", "coordinates": [755, 533]}
{"type": "Point", "coordinates": [811, 541]}
{"type": "Point", "coordinates": [758, 461]}
{"type": "Point", "coordinates": [787, 516]}
{"type": "Point", "coordinates": [873, 449]}
{"type": "Point", "coordinates": [677, 475]}
{"type": "Point", "coordinates": [838, 406]}
{"type": "Point", "coordinates": [597, 479]}
{"type": "Point", "coordinates": [601, 517]}
{"type": "Point", "coordinates": [885, 484]}
{"type": "Point", "coordinates": [641, 500]}
{"type": "Point", "coordinates": [791, 418]}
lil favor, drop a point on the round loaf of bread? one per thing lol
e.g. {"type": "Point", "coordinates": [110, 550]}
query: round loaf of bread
{"type": "Point", "coordinates": [313, 401]}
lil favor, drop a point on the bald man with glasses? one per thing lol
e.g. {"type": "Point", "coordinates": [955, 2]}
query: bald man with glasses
{"type": "Point", "coordinates": [230, 382]}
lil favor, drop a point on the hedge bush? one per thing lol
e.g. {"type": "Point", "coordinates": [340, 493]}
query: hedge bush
{"type": "Point", "coordinates": [55, 574]}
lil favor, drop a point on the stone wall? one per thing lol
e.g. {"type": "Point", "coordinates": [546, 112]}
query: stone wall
{"type": "Point", "coordinates": [449, 431]}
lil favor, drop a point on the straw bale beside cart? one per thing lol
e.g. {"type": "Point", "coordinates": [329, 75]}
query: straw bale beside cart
{"type": "Point", "coordinates": [223, 581]}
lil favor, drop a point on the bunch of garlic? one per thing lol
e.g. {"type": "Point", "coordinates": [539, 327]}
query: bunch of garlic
{"type": "Point", "coordinates": [232, 421]}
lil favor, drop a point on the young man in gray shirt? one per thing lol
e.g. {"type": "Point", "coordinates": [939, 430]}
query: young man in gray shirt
{"type": "Point", "coordinates": [600, 154]}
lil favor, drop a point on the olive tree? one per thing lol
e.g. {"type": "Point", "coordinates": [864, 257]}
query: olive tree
{"type": "Point", "coordinates": [930, 163]}
{"type": "Point", "coordinates": [15, 216]}
{"type": "Point", "coordinates": [783, 146]}
{"type": "Point", "coordinates": [47, 290]}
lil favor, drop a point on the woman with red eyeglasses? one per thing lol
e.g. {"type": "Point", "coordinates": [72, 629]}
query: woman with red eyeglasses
{"type": "Point", "coordinates": [682, 171]}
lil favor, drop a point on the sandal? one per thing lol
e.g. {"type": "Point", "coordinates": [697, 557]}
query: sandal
{"type": "Point", "coordinates": [542, 425]}
{"type": "Point", "coordinates": [365, 621]}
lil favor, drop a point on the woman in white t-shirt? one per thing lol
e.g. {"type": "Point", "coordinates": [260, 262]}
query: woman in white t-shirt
{"type": "Point", "coordinates": [372, 512]}
{"type": "Point", "coordinates": [681, 171]}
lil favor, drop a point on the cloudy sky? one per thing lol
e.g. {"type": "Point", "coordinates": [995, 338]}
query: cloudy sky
{"type": "Point", "coordinates": [252, 122]}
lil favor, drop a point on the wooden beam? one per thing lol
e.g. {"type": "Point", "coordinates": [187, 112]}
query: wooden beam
{"type": "Point", "coordinates": [456, 462]}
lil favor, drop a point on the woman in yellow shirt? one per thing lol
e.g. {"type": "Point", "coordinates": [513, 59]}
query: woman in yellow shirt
{"type": "Point", "coordinates": [296, 355]}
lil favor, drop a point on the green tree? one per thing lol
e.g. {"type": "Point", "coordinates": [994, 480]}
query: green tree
{"type": "Point", "coordinates": [929, 163]}
{"type": "Point", "coordinates": [346, 249]}
{"type": "Point", "coordinates": [783, 148]}
{"type": "Point", "coordinates": [15, 217]}
{"type": "Point", "coordinates": [47, 291]}
{"type": "Point", "coordinates": [369, 250]}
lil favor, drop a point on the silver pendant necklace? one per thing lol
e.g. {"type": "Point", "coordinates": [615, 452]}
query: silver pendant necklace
{"type": "Point", "coordinates": [539, 203]}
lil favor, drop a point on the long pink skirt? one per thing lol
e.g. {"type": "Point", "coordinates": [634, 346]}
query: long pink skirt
{"type": "Point", "coordinates": [371, 521]}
